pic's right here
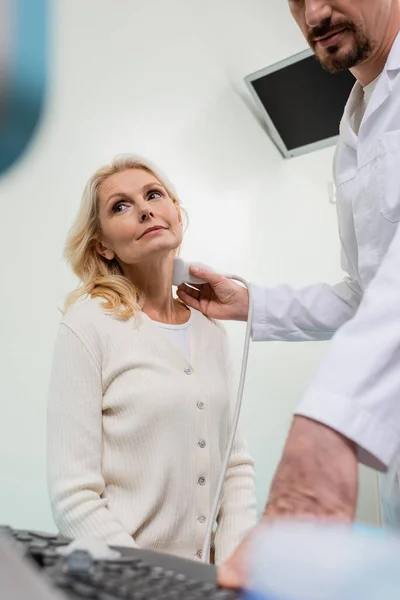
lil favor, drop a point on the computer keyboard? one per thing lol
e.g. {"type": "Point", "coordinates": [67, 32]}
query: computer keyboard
{"type": "Point", "coordinates": [135, 575]}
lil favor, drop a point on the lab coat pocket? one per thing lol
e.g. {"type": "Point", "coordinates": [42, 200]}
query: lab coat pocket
{"type": "Point", "coordinates": [389, 175]}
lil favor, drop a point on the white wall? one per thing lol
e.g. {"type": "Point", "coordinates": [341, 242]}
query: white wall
{"type": "Point", "coordinates": [163, 78]}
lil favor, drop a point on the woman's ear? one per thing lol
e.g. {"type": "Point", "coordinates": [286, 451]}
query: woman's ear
{"type": "Point", "coordinates": [104, 251]}
{"type": "Point", "coordinates": [179, 212]}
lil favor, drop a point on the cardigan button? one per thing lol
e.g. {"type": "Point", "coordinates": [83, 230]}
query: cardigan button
{"type": "Point", "coordinates": [202, 443]}
{"type": "Point", "coordinates": [202, 519]}
{"type": "Point", "coordinates": [188, 371]}
{"type": "Point", "coordinates": [200, 405]}
{"type": "Point", "coordinates": [199, 554]}
{"type": "Point", "coordinates": [201, 481]}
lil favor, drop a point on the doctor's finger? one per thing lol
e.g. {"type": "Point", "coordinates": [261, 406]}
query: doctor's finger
{"type": "Point", "coordinates": [190, 290]}
{"type": "Point", "coordinates": [189, 299]}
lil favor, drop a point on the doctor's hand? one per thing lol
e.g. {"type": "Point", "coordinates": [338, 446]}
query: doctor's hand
{"type": "Point", "coordinates": [217, 298]}
{"type": "Point", "coordinates": [317, 479]}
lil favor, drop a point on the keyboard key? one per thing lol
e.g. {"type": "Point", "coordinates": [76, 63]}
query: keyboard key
{"type": "Point", "coordinates": [84, 590]}
{"type": "Point", "coordinates": [60, 542]}
{"type": "Point", "coordinates": [79, 562]}
{"type": "Point", "coordinates": [225, 595]}
{"type": "Point", "coordinates": [97, 578]}
{"type": "Point", "coordinates": [38, 545]}
{"type": "Point", "coordinates": [43, 535]}
{"type": "Point", "coordinates": [208, 588]}
{"type": "Point", "coordinates": [49, 553]}
{"type": "Point", "coordinates": [105, 596]}
{"type": "Point", "coordinates": [61, 581]}
{"type": "Point", "coordinates": [23, 536]}
{"type": "Point", "coordinates": [112, 567]}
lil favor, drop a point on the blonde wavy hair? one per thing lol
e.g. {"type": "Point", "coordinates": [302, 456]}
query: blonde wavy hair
{"type": "Point", "coordinates": [100, 277]}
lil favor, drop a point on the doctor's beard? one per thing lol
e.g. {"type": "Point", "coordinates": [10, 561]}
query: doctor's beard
{"type": "Point", "coordinates": [335, 58]}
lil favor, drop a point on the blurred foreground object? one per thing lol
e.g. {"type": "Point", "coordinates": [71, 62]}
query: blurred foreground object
{"type": "Point", "coordinates": [23, 45]}
{"type": "Point", "coordinates": [316, 561]}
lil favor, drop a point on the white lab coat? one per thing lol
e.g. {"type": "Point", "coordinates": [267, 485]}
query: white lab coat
{"type": "Point", "coordinates": [356, 390]}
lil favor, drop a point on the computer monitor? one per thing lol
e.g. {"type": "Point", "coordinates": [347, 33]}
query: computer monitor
{"type": "Point", "coordinates": [300, 102]}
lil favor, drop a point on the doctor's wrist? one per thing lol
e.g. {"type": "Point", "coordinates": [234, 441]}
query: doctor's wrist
{"type": "Point", "coordinates": [317, 476]}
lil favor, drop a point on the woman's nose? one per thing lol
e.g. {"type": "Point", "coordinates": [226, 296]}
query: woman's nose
{"type": "Point", "coordinates": [144, 214]}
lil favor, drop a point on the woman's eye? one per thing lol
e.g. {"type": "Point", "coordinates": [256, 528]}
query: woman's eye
{"type": "Point", "coordinates": [119, 207]}
{"type": "Point", "coordinates": [154, 195]}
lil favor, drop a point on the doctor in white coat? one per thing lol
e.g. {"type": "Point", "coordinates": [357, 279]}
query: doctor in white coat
{"type": "Point", "coordinates": [351, 411]}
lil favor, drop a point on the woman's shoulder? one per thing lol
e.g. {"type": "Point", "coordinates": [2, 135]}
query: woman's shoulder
{"type": "Point", "coordinates": [87, 315]}
{"type": "Point", "coordinates": [93, 324]}
{"type": "Point", "coordinates": [83, 310]}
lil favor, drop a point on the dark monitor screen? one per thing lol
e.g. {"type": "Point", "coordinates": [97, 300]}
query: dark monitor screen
{"type": "Point", "coordinates": [304, 102]}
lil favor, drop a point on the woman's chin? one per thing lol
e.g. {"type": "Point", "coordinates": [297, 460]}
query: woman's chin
{"type": "Point", "coordinates": [155, 252]}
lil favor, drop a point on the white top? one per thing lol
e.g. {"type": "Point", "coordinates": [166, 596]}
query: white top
{"type": "Point", "coordinates": [137, 434]}
{"type": "Point", "coordinates": [361, 105]}
{"type": "Point", "coordinates": [356, 390]}
{"type": "Point", "coordinates": [178, 335]}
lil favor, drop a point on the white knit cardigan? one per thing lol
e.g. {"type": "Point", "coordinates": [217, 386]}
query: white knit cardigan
{"type": "Point", "coordinates": [136, 435]}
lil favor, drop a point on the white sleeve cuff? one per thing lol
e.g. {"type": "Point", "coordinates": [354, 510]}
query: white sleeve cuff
{"type": "Point", "coordinates": [377, 441]}
{"type": "Point", "coordinates": [260, 331]}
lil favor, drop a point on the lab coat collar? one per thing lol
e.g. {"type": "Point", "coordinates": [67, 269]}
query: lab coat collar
{"type": "Point", "coordinates": [379, 96]}
{"type": "Point", "coordinates": [347, 133]}
{"type": "Point", "coordinates": [393, 61]}
{"type": "Point", "coordinates": [384, 85]}
{"type": "Point", "coordinates": [381, 93]}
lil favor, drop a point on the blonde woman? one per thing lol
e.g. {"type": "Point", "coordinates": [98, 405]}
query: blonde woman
{"type": "Point", "coordinates": [140, 403]}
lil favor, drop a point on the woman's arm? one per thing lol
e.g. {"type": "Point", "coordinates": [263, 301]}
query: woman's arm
{"type": "Point", "coordinates": [74, 445]}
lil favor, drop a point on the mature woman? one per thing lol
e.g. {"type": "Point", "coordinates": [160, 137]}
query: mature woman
{"type": "Point", "coordinates": [140, 403]}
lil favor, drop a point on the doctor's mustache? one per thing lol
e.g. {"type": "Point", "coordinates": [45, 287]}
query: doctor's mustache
{"type": "Point", "coordinates": [328, 27]}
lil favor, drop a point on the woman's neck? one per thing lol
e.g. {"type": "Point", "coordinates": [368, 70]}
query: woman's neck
{"type": "Point", "coordinates": [154, 280]}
